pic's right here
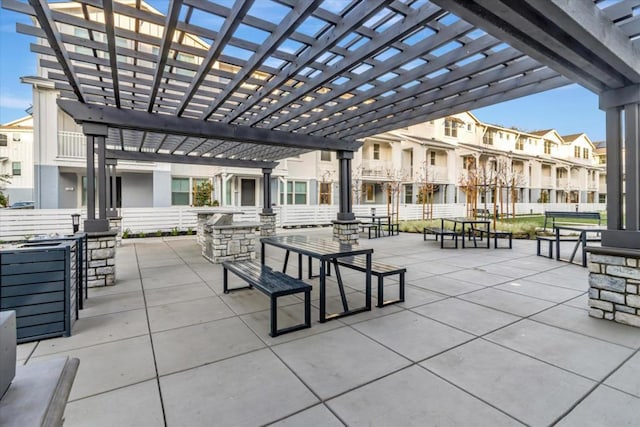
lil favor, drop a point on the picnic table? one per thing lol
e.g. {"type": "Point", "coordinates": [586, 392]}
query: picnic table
{"type": "Point", "coordinates": [581, 240]}
{"type": "Point", "coordinates": [377, 221]}
{"type": "Point", "coordinates": [471, 224]}
{"type": "Point", "coordinates": [326, 251]}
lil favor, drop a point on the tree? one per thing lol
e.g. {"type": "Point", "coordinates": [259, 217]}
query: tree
{"type": "Point", "coordinates": [426, 179]}
{"type": "Point", "coordinates": [4, 179]}
{"type": "Point", "coordinates": [202, 194]}
{"type": "Point", "coordinates": [356, 184]}
{"type": "Point", "coordinates": [392, 187]}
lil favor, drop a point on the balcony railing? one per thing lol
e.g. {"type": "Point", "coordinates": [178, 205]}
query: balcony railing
{"type": "Point", "coordinates": [546, 181]}
{"type": "Point", "coordinates": [72, 145]}
{"type": "Point", "coordinates": [376, 168]}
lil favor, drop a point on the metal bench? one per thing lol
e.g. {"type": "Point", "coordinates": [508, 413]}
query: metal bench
{"type": "Point", "coordinates": [440, 232]}
{"type": "Point", "coordinates": [272, 283]}
{"type": "Point", "coordinates": [495, 234]}
{"type": "Point", "coordinates": [379, 270]}
{"type": "Point", "coordinates": [571, 215]}
{"type": "Point", "coordinates": [368, 227]}
{"type": "Point", "coordinates": [551, 242]}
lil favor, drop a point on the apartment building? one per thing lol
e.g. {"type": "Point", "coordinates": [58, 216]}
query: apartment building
{"type": "Point", "coordinates": [16, 160]}
{"type": "Point", "coordinates": [446, 154]}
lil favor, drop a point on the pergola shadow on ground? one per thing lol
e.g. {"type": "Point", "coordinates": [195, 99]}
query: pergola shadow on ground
{"type": "Point", "coordinates": [485, 337]}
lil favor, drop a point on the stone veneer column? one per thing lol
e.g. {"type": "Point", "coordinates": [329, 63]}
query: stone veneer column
{"type": "Point", "coordinates": [101, 258]}
{"type": "Point", "coordinates": [115, 224]}
{"type": "Point", "coordinates": [236, 242]}
{"type": "Point", "coordinates": [346, 231]}
{"type": "Point", "coordinates": [267, 224]}
{"type": "Point", "coordinates": [614, 283]}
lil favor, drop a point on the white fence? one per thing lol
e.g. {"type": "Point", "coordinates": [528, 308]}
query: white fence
{"type": "Point", "coordinates": [23, 223]}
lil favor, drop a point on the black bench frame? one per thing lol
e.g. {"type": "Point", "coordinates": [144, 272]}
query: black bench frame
{"type": "Point", "coordinates": [569, 214]}
{"type": "Point", "coordinates": [381, 271]}
{"type": "Point", "coordinates": [368, 227]}
{"type": "Point", "coordinates": [495, 234]}
{"type": "Point", "coordinates": [272, 283]}
{"type": "Point", "coordinates": [440, 232]}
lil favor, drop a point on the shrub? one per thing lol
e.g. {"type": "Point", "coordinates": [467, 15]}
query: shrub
{"type": "Point", "coordinates": [141, 234]}
{"type": "Point", "coordinates": [189, 231]}
{"type": "Point", "coordinates": [159, 233]}
{"type": "Point", "coordinates": [174, 231]}
{"type": "Point", "coordinates": [126, 233]}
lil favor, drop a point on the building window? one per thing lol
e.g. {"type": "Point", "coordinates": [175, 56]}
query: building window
{"type": "Point", "coordinates": [3, 140]}
{"type": "Point", "coordinates": [17, 137]}
{"type": "Point", "coordinates": [296, 193]}
{"type": "Point", "coordinates": [576, 152]}
{"type": "Point", "coordinates": [547, 147]}
{"type": "Point", "coordinates": [180, 191]}
{"type": "Point", "coordinates": [602, 198]}
{"type": "Point", "coordinates": [487, 139]}
{"type": "Point", "coordinates": [450, 128]}
{"type": "Point", "coordinates": [408, 193]}
{"type": "Point", "coordinates": [369, 193]}
{"type": "Point", "coordinates": [325, 156]}
{"type": "Point", "coordinates": [432, 158]}
{"type": "Point", "coordinates": [469, 127]}
{"type": "Point", "coordinates": [585, 153]}
{"type": "Point", "coordinates": [376, 151]}
{"type": "Point", "coordinates": [16, 168]}
{"type": "Point", "coordinates": [520, 144]}
{"type": "Point", "coordinates": [325, 193]}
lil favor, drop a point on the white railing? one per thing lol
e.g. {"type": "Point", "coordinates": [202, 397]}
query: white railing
{"type": "Point", "coordinates": [22, 224]}
{"type": "Point", "coordinates": [546, 181]}
{"type": "Point", "coordinates": [376, 168]}
{"type": "Point", "coordinates": [72, 145]}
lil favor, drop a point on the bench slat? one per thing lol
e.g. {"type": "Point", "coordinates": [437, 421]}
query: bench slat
{"type": "Point", "coordinates": [377, 268]}
{"type": "Point", "coordinates": [265, 279]}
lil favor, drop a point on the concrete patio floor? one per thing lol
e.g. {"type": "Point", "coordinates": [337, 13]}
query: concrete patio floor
{"type": "Point", "coordinates": [485, 337]}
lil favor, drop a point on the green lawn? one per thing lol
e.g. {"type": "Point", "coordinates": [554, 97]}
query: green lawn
{"type": "Point", "coordinates": [524, 226]}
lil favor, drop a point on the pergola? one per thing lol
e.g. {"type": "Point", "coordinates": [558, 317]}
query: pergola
{"type": "Point", "coordinates": [247, 83]}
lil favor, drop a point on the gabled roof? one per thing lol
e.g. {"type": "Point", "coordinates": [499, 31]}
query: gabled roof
{"type": "Point", "coordinates": [24, 123]}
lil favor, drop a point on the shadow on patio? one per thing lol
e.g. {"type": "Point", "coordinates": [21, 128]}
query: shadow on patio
{"type": "Point", "coordinates": [485, 337]}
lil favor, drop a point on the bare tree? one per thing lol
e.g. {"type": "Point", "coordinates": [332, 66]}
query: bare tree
{"type": "Point", "coordinates": [468, 182]}
{"type": "Point", "coordinates": [356, 184]}
{"type": "Point", "coordinates": [426, 179]}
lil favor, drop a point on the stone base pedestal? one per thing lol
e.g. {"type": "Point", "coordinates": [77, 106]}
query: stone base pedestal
{"type": "Point", "coordinates": [236, 242]}
{"type": "Point", "coordinates": [115, 224]}
{"type": "Point", "coordinates": [267, 224]}
{"type": "Point", "coordinates": [346, 231]}
{"type": "Point", "coordinates": [101, 258]}
{"type": "Point", "coordinates": [614, 282]}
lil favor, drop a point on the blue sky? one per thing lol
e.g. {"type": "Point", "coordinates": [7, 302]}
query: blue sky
{"type": "Point", "coordinates": [569, 110]}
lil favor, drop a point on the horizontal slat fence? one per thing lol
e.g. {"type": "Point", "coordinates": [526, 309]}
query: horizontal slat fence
{"type": "Point", "coordinates": [24, 223]}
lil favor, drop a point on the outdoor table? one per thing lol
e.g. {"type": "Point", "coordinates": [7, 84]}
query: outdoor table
{"type": "Point", "coordinates": [325, 251]}
{"type": "Point", "coordinates": [471, 223]}
{"type": "Point", "coordinates": [377, 219]}
{"type": "Point", "coordinates": [582, 239]}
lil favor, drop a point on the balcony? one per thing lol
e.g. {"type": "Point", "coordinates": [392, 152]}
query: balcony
{"type": "Point", "coordinates": [546, 182]}
{"type": "Point", "coordinates": [376, 168]}
{"type": "Point", "coordinates": [72, 145]}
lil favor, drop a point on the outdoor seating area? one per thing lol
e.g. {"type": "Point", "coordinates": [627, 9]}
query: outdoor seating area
{"type": "Point", "coordinates": [482, 337]}
{"type": "Point", "coordinates": [472, 229]}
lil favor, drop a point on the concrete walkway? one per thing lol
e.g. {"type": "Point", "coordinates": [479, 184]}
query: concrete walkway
{"type": "Point", "coordinates": [486, 337]}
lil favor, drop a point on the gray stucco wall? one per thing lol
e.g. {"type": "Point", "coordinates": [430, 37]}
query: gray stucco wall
{"type": "Point", "coordinates": [19, 194]}
{"type": "Point", "coordinates": [160, 189]}
{"type": "Point", "coordinates": [67, 198]}
{"type": "Point", "coordinates": [138, 190]}
{"type": "Point", "coordinates": [46, 187]}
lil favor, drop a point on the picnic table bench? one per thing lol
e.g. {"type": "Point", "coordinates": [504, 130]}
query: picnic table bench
{"type": "Point", "coordinates": [379, 270]}
{"type": "Point", "coordinates": [570, 215]}
{"type": "Point", "coordinates": [495, 234]}
{"type": "Point", "coordinates": [272, 283]}
{"type": "Point", "coordinates": [440, 232]}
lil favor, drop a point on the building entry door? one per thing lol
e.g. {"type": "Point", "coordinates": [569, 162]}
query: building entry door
{"type": "Point", "coordinates": [247, 192]}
